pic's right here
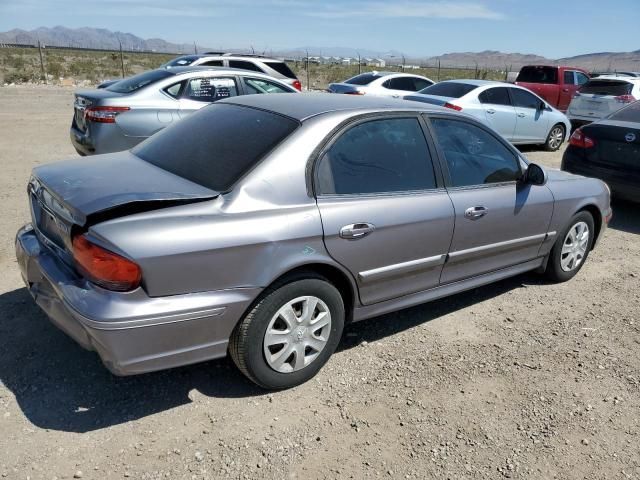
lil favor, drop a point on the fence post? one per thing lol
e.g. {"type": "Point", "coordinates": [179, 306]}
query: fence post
{"type": "Point", "coordinates": [121, 59]}
{"type": "Point", "coordinates": [438, 70]}
{"type": "Point", "coordinates": [308, 84]}
{"type": "Point", "coordinates": [44, 72]}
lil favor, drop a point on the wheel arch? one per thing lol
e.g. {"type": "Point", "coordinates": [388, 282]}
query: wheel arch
{"type": "Point", "coordinates": [594, 211]}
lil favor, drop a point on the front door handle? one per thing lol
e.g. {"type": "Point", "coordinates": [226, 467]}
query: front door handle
{"type": "Point", "coordinates": [521, 115]}
{"type": "Point", "coordinates": [356, 231]}
{"type": "Point", "coordinates": [491, 111]}
{"type": "Point", "coordinates": [473, 213]}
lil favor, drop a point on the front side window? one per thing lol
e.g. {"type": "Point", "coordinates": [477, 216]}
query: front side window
{"type": "Point", "coordinates": [401, 83]}
{"type": "Point", "coordinates": [244, 65]}
{"type": "Point", "coordinates": [257, 85]}
{"type": "Point", "coordinates": [378, 156]}
{"type": "Point", "coordinates": [212, 63]}
{"type": "Point", "coordinates": [568, 77]}
{"type": "Point", "coordinates": [495, 96]}
{"type": "Point", "coordinates": [474, 156]}
{"type": "Point", "coordinates": [524, 99]}
{"type": "Point", "coordinates": [582, 78]}
{"type": "Point", "coordinates": [210, 89]}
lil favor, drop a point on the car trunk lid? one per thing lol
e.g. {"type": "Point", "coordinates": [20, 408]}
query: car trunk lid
{"type": "Point", "coordinates": [617, 146]}
{"type": "Point", "coordinates": [70, 196]}
{"type": "Point", "coordinates": [85, 99]}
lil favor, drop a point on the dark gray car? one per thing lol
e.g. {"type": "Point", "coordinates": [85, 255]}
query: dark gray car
{"type": "Point", "coordinates": [261, 225]}
{"type": "Point", "coordinates": [125, 113]}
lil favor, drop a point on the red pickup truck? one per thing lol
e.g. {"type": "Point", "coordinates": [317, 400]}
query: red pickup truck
{"type": "Point", "coordinates": [556, 85]}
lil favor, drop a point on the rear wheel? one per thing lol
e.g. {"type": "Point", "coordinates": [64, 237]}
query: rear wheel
{"type": "Point", "coordinates": [555, 138]}
{"type": "Point", "coordinates": [571, 248]}
{"type": "Point", "coordinates": [289, 334]}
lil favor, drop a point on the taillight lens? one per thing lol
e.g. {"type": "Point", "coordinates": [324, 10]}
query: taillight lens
{"type": "Point", "coordinates": [453, 107]}
{"type": "Point", "coordinates": [104, 114]}
{"type": "Point", "coordinates": [297, 85]}
{"type": "Point", "coordinates": [580, 140]}
{"type": "Point", "coordinates": [625, 99]}
{"type": "Point", "coordinates": [104, 268]}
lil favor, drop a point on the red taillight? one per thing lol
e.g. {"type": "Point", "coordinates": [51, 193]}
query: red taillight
{"type": "Point", "coordinates": [580, 140]}
{"type": "Point", "coordinates": [625, 99]}
{"type": "Point", "coordinates": [104, 114]}
{"type": "Point", "coordinates": [453, 107]}
{"type": "Point", "coordinates": [105, 268]}
{"type": "Point", "coordinates": [297, 85]}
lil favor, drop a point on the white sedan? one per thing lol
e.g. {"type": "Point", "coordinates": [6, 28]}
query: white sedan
{"type": "Point", "coordinates": [382, 84]}
{"type": "Point", "coordinates": [516, 113]}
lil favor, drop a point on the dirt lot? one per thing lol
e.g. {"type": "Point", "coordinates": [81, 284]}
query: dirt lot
{"type": "Point", "coordinates": [521, 379]}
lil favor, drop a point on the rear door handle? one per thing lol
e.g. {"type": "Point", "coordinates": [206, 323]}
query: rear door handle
{"type": "Point", "coordinates": [473, 213]}
{"type": "Point", "coordinates": [491, 111]}
{"type": "Point", "coordinates": [356, 231]}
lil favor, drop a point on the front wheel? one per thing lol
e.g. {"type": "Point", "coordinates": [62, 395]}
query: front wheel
{"type": "Point", "coordinates": [571, 248]}
{"type": "Point", "coordinates": [289, 334]}
{"type": "Point", "coordinates": [555, 138]}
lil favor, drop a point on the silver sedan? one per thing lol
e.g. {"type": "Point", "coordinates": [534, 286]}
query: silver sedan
{"type": "Point", "coordinates": [261, 225]}
{"type": "Point", "coordinates": [514, 112]}
{"type": "Point", "coordinates": [126, 112]}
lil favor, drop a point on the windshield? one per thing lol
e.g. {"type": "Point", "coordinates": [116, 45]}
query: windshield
{"type": "Point", "coordinates": [131, 84]}
{"type": "Point", "coordinates": [364, 79]}
{"type": "Point", "coordinates": [538, 75]}
{"type": "Point", "coordinates": [607, 87]}
{"type": "Point", "coordinates": [449, 89]}
{"type": "Point", "coordinates": [184, 61]}
{"type": "Point", "coordinates": [217, 145]}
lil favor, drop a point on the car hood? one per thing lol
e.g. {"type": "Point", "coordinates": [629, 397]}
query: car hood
{"type": "Point", "coordinates": [91, 186]}
{"type": "Point", "coordinates": [554, 175]}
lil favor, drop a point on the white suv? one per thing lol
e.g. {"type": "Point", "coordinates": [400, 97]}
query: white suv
{"type": "Point", "coordinates": [601, 96]}
{"type": "Point", "coordinates": [271, 66]}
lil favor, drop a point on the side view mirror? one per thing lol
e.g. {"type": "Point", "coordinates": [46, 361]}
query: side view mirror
{"type": "Point", "coordinates": [542, 106]}
{"type": "Point", "coordinates": [535, 175]}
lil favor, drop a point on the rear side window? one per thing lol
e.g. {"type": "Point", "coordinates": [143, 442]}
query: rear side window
{"type": "Point", "coordinates": [217, 145]}
{"type": "Point", "coordinates": [449, 89]}
{"type": "Point", "coordinates": [379, 156]}
{"type": "Point", "coordinates": [495, 96]}
{"type": "Point", "coordinates": [607, 87]}
{"type": "Point", "coordinates": [473, 156]}
{"type": "Point", "coordinates": [524, 99]}
{"type": "Point", "coordinates": [132, 84]}
{"type": "Point", "coordinates": [212, 63]}
{"type": "Point", "coordinates": [244, 65]}
{"type": "Point", "coordinates": [210, 89]}
{"type": "Point", "coordinates": [581, 78]}
{"type": "Point", "coordinates": [258, 85]}
{"type": "Point", "coordinates": [282, 68]}
{"type": "Point", "coordinates": [421, 84]}
{"type": "Point", "coordinates": [364, 79]}
{"type": "Point", "coordinates": [538, 75]}
{"type": "Point", "coordinates": [401, 83]}
{"type": "Point", "coordinates": [630, 113]}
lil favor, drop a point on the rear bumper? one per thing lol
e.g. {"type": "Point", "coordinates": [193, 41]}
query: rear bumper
{"type": "Point", "coordinates": [101, 138]}
{"type": "Point", "coordinates": [132, 332]}
{"type": "Point", "coordinates": [621, 184]}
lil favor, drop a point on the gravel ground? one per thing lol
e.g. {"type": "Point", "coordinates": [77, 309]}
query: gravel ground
{"type": "Point", "coordinates": [521, 379]}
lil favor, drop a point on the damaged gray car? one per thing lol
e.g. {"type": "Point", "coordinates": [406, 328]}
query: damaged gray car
{"type": "Point", "coordinates": [261, 225]}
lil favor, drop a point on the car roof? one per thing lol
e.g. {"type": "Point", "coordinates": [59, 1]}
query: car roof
{"type": "Point", "coordinates": [623, 78]}
{"type": "Point", "coordinates": [308, 105]}
{"type": "Point", "coordinates": [477, 83]}
{"type": "Point", "coordinates": [232, 56]}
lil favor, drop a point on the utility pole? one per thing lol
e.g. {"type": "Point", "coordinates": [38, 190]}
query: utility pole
{"type": "Point", "coordinates": [359, 64]}
{"type": "Point", "coordinates": [403, 61]}
{"type": "Point", "coordinates": [44, 73]}
{"type": "Point", "coordinates": [438, 77]}
{"type": "Point", "coordinates": [195, 48]}
{"type": "Point", "coordinates": [121, 58]}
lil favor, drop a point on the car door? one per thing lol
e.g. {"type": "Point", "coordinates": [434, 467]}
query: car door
{"type": "Point", "coordinates": [498, 110]}
{"type": "Point", "coordinates": [567, 89]}
{"type": "Point", "coordinates": [201, 91]}
{"type": "Point", "coordinates": [532, 122]}
{"type": "Point", "coordinates": [385, 213]}
{"type": "Point", "coordinates": [499, 221]}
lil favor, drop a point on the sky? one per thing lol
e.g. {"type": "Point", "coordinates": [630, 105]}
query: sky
{"type": "Point", "coordinates": [420, 28]}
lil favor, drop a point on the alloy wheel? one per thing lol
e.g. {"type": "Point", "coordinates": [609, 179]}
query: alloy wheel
{"type": "Point", "coordinates": [555, 138]}
{"type": "Point", "coordinates": [574, 247]}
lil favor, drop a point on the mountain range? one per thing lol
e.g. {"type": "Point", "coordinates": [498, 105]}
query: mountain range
{"type": "Point", "coordinates": [106, 39]}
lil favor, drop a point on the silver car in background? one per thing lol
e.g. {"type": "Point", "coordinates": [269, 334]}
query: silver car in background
{"type": "Point", "coordinates": [261, 225]}
{"type": "Point", "coordinates": [129, 111]}
{"type": "Point", "coordinates": [514, 112]}
{"type": "Point", "coordinates": [602, 96]}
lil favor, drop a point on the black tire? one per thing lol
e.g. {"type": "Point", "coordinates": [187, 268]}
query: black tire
{"type": "Point", "coordinates": [246, 343]}
{"type": "Point", "coordinates": [554, 270]}
{"type": "Point", "coordinates": [552, 144]}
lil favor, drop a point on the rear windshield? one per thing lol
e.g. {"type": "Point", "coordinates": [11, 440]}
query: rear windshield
{"type": "Point", "coordinates": [184, 61]}
{"type": "Point", "coordinates": [607, 87]}
{"type": "Point", "coordinates": [449, 89]}
{"type": "Point", "coordinates": [538, 75]}
{"type": "Point", "coordinates": [217, 145]}
{"type": "Point", "coordinates": [282, 68]}
{"type": "Point", "coordinates": [364, 79]}
{"type": "Point", "coordinates": [630, 113]}
{"type": "Point", "coordinates": [137, 82]}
